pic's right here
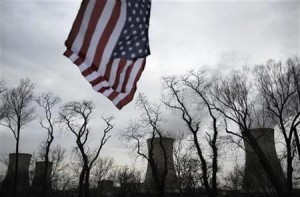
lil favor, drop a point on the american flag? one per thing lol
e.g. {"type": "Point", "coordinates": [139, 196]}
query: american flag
{"type": "Point", "coordinates": [109, 44]}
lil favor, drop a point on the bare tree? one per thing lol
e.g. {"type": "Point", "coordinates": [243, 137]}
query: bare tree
{"type": "Point", "coordinates": [103, 166]}
{"type": "Point", "coordinates": [76, 116]}
{"type": "Point", "coordinates": [17, 112]}
{"type": "Point", "coordinates": [129, 179]}
{"type": "Point", "coordinates": [47, 101]}
{"type": "Point", "coordinates": [233, 181]}
{"type": "Point", "coordinates": [279, 86]}
{"type": "Point", "coordinates": [294, 71]}
{"type": "Point", "coordinates": [187, 168]}
{"type": "Point", "coordinates": [234, 99]}
{"type": "Point", "coordinates": [191, 107]}
{"type": "Point", "coordinates": [148, 127]}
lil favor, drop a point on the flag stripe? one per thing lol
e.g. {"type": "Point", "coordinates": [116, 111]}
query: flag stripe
{"type": "Point", "coordinates": [123, 99]}
{"type": "Point", "coordinates": [113, 39]}
{"type": "Point", "coordinates": [99, 56]}
{"type": "Point", "coordinates": [122, 76]}
{"type": "Point", "coordinates": [120, 68]}
{"type": "Point", "coordinates": [76, 45]}
{"type": "Point", "coordinates": [97, 11]}
{"type": "Point", "coordinates": [77, 23]}
{"type": "Point", "coordinates": [103, 20]}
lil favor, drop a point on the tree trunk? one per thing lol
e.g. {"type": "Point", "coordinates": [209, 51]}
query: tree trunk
{"type": "Point", "coordinates": [45, 189]}
{"type": "Point", "coordinates": [215, 159]}
{"type": "Point", "coordinates": [87, 183]}
{"type": "Point", "coordinates": [297, 141]}
{"type": "Point", "coordinates": [81, 181]}
{"type": "Point", "coordinates": [289, 160]}
{"type": "Point", "coordinates": [15, 186]}
{"type": "Point", "coordinates": [203, 166]}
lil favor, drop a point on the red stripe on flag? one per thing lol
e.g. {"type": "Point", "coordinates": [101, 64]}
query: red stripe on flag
{"type": "Point", "coordinates": [97, 81]}
{"type": "Point", "coordinates": [127, 76]}
{"type": "Point", "coordinates": [108, 69]}
{"type": "Point", "coordinates": [103, 89]}
{"type": "Point", "coordinates": [87, 72]}
{"type": "Point", "coordinates": [68, 53]}
{"type": "Point", "coordinates": [130, 96]}
{"type": "Point", "coordinates": [78, 61]}
{"type": "Point", "coordinates": [97, 11]}
{"type": "Point", "coordinates": [121, 66]}
{"type": "Point", "coordinates": [106, 34]}
{"type": "Point", "coordinates": [113, 95]}
{"type": "Point", "coordinates": [77, 23]}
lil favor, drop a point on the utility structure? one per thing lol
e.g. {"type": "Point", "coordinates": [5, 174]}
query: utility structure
{"type": "Point", "coordinates": [155, 148]}
{"type": "Point", "coordinates": [40, 178]}
{"type": "Point", "coordinates": [255, 177]}
{"type": "Point", "coordinates": [23, 184]}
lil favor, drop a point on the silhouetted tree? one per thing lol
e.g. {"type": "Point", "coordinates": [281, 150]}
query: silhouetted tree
{"type": "Point", "coordinates": [76, 116]}
{"type": "Point", "coordinates": [17, 111]}
{"type": "Point", "coordinates": [148, 127]}
{"type": "Point", "coordinates": [188, 95]}
{"type": "Point", "coordinates": [129, 179]}
{"type": "Point", "coordinates": [234, 98]}
{"type": "Point", "coordinates": [47, 101]}
{"type": "Point", "coordinates": [278, 87]}
{"type": "Point", "coordinates": [187, 167]}
{"type": "Point", "coordinates": [102, 167]}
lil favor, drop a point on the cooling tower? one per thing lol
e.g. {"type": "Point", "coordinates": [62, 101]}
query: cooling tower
{"type": "Point", "coordinates": [255, 178]}
{"type": "Point", "coordinates": [171, 183]}
{"type": "Point", "coordinates": [39, 178]}
{"type": "Point", "coordinates": [23, 174]}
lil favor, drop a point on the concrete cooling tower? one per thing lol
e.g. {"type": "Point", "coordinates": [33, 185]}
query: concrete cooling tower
{"type": "Point", "coordinates": [171, 183]}
{"type": "Point", "coordinates": [255, 178]}
{"type": "Point", "coordinates": [23, 174]}
{"type": "Point", "coordinates": [39, 177]}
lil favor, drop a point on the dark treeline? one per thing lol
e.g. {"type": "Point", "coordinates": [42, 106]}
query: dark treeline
{"type": "Point", "coordinates": [218, 112]}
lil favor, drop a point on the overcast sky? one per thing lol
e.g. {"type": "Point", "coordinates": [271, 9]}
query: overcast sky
{"type": "Point", "coordinates": [215, 35]}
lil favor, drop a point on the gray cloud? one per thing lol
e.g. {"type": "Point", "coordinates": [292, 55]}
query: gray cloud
{"type": "Point", "coordinates": [184, 35]}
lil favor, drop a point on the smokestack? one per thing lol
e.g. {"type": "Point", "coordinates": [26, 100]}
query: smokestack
{"type": "Point", "coordinates": [23, 174]}
{"type": "Point", "coordinates": [171, 182]}
{"type": "Point", "coordinates": [39, 177]}
{"type": "Point", "coordinates": [255, 178]}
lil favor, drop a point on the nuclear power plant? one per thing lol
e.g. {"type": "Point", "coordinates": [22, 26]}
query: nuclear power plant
{"type": "Point", "coordinates": [23, 184]}
{"type": "Point", "coordinates": [255, 178]}
{"type": "Point", "coordinates": [171, 183]}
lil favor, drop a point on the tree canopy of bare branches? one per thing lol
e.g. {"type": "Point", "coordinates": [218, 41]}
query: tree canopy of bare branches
{"type": "Point", "coordinates": [76, 116]}
{"type": "Point", "coordinates": [188, 95]}
{"type": "Point", "coordinates": [149, 127]}
{"type": "Point", "coordinates": [47, 101]}
{"type": "Point", "coordinates": [17, 111]}
{"type": "Point", "coordinates": [278, 83]}
{"type": "Point", "coordinates": [235, 100]}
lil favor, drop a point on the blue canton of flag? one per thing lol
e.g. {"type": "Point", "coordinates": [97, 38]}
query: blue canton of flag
{"type": "Point", "coordinates": [133, 42]}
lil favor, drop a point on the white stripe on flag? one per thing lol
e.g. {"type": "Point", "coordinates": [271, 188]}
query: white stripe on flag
{"type": "Point", "coordinates": [84, 25]}
{"type": "Point", "coordinates": [100, 85]}
{"type": "Point", "coordinates": [113, 71]}
{"type": "Point", "coordinates": [113, 40]}
{"type": "Point", "coordinates": [92, 76]}
{"type": "Point", "coordinates": [73, 57]}
{"type": "Point", "coordinates": [122, 76]}
{"type": "Point", "coordinates": [136, 67]}
{"type": "Point", "coordinates": [102, 22]}
{"type": "Point", "coordinates": [107, 92]}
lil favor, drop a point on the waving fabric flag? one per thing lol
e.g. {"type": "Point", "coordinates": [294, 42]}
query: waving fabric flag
{"type": "Point", "coordinates": [109, 44]}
